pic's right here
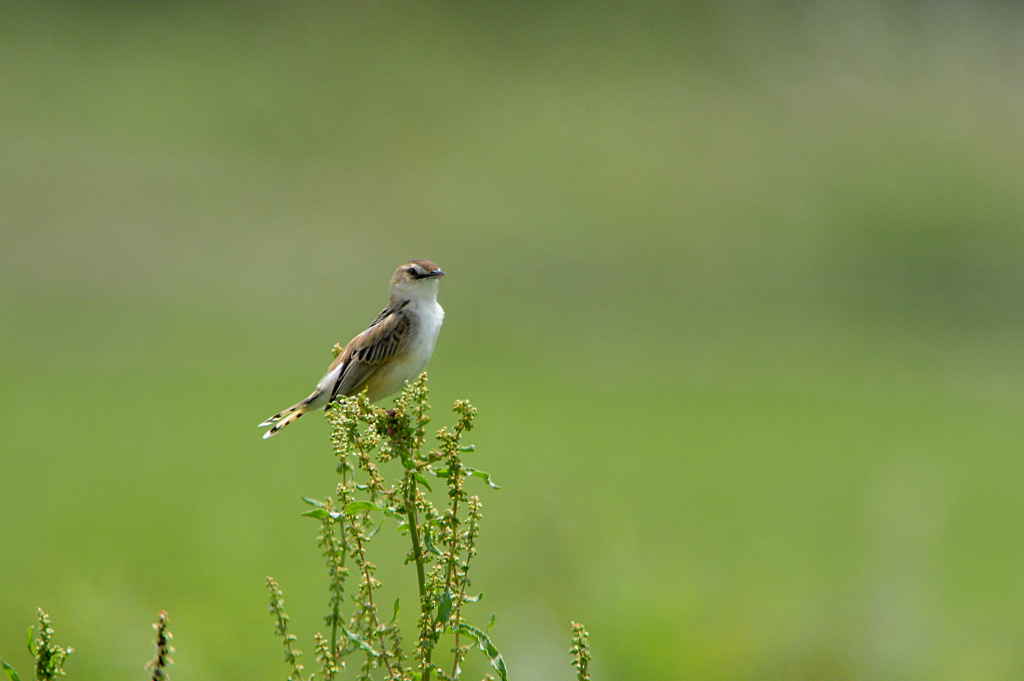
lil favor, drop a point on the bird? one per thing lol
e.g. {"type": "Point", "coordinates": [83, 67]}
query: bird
{"type": "Point", "coordinates": [394, 349]}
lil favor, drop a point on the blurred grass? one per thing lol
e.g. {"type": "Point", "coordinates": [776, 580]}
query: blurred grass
{"type": "Point", "coordinates": [738, 292]}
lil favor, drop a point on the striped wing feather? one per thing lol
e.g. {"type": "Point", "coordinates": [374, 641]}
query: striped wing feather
{"type": "Point", "coordinates": [386, 337]}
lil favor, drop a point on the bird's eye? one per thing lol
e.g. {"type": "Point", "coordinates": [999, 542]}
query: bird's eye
{"type": "Point", "coordinates": [412, 271]}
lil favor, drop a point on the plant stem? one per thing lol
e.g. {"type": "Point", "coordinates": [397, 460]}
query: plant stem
{"type": "Point", "coordinates": [452, 548]}
{"type": "Point", "coordinates": [417, 554]}
{"type": "Point", "coordinates": [336, 613]}
{"type": "Point", "coordinates": [368, 578]}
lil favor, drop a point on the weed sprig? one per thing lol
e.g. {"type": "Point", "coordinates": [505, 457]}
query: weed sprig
{"type": "Point", "coordinates": [441, 543]}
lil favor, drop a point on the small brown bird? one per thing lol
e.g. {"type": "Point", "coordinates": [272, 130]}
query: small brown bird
{"type": "Point", "coordinates": [394, 349]}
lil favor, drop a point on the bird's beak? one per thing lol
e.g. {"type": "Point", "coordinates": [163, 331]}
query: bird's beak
{"type": "Point", "coordinates": [437, 273]}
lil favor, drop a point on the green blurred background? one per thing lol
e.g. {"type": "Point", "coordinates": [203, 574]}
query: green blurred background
{"type": "Point", "coordinates": [738, 291]}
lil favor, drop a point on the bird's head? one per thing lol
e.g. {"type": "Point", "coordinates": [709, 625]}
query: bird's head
{"type": "Point", "coordinates": [416, 279]}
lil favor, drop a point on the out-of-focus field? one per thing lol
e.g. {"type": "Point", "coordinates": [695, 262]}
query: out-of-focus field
{"type": "Point", "coordinates": [739, 294]}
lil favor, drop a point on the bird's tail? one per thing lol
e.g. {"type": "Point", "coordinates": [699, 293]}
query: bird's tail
{"type": "Point", "coordinates": [289, 415]}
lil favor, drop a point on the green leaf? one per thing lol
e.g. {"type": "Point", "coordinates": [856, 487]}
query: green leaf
{"type": "Point", "coordinates": [395, 615]}
{"type": "Point", "coordinates": [359, 641]}
{"type": "Point", "coordinates": [360, 506]}
{"type": "Point", "coordinates": [422, 480]}
{"type": "Point", "coordinates": [11, 674]}
{"type": "Point", "coordinates": [313, 502]}
{"type": "Point", "coordinates": [481, 474]}
{"type": "Point", "coordinates": [428, 541]}
{"type": "Point", "coordinates": [320, 513]}
{"type": "Point", "coordinates": [444, 607]}
{"type": "Point", "coordinates": [485, 645]}
{"type": "Point", "coordinates": [357, 506]}
{"type": "Point", "coordinates": [31, 642]}
{"type": "Point", "coordinates": [490, 625]}
{"type": "Point", "coordinates": [467, 448]}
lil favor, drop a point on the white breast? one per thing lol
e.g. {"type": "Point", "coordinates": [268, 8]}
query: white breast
{"type": "Point", "coordinates": [391, 377]}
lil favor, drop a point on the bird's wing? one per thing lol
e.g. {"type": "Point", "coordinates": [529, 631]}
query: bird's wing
{"type": "Point", "coordinates": [387, 336]}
